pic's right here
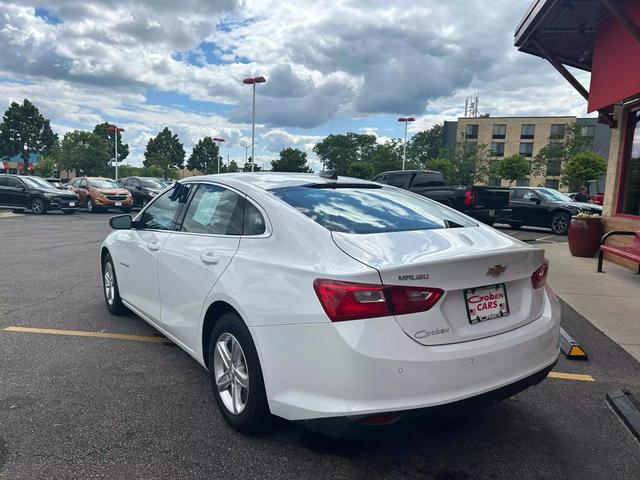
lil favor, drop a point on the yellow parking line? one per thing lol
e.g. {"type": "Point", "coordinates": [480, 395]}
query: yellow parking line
{"type": "Point", "coordinates": [572, 376]}
{"type": "Point", "coordinates": [79, 333]}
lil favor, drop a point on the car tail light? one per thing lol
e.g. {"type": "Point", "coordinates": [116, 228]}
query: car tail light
{"type": "Point", "coordinates": [469, 198]}
{"type": "Point", "coordinates": [539, 277]}
{"type": "Point", "coordinates": [351, 301]}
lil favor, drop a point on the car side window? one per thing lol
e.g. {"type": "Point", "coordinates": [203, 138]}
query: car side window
{"type": "Point", "coordinates": [82, 183]}
{"type": "Point", "coordinates": [135, 183]}
{"type": "Point", "coordinates": [14, 183]}
{"type": "Point", "coordinates": [126, 182]}
{"type": "Point", "coordinates": [160, 215]}
{"type": "Point", "coordinates": [254, 223]}
{"type": "Point", "coordinates": [381, 179]}
{"type": "Point", "coordinates": [529, 196]}
{"type": "Point", "coordinates": [397, 180]}
{"type": "Point", "coordinates": [214, 210]}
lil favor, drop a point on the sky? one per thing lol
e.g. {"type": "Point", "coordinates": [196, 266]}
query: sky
{"type": "Point", "coordinates": [332, 66]}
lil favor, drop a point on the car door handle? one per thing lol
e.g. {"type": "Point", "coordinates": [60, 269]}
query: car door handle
{"type": "Point", "coordinates": [154, 246]}
{"type": "Point", "coordinates": [209, 258]}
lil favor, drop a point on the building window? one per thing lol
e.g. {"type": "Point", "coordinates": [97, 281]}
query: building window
{"type": "Point", "coordinates": [526, 149]}
{"type": "Point", "coordinates": [471, 131]}
{"type": "Point", "coordinates": [553, 167]}
{"type": "Point", "coordinates": [630, 180]}
{"type": "Point", "coordinates": [527, 131]}
{"type": "Point", "coordinates": [499, 130]}
{"type": "Point", "coordinates": [551, 183]}
{"type": "Point", "coordinates": [557, 131]}
{"type": "Point", "coordinates": [588, 130]}
{"type": "Point", "coordinates": [523, 182]}
{"type": "Point", "coordinates": [497, 149]}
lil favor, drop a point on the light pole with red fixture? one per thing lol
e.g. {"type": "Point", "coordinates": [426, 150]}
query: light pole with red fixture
{"type": "Point", "coordinates": [113, 128]}
{"type": "Point", "coordinates": [406, 120]}
{"type": "Point", "coordinates": [219, 140]}
{"type": "Point", "coordinates": [252, 81]}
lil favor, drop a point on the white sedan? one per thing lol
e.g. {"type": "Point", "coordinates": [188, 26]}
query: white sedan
{"type": "Point", "coordinates": [336, 301]}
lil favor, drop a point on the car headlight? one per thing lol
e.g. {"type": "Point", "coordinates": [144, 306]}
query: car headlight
{"type": "Point", "coordinates": [152, 194]}
{"type": "Point", "coordinates": [50, 195]}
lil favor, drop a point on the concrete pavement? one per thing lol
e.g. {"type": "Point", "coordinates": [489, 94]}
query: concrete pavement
{"type": "Point", "coordinates": [610, 300]}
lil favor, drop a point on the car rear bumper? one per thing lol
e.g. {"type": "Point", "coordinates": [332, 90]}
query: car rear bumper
{"type": "Point", "coordinates": [363, 367]}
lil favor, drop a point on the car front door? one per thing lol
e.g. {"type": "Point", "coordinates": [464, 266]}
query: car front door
{"type": "Point", "coordinates": [139, 249]}
{"type": "Point", "coordinates": [193, 258]}
{"type": "Point", "coordinates": [135, 187]}
{"type": "Point", "coordinates": [527, 207]}
{"type": "Point", "coordinates": [81, 188]}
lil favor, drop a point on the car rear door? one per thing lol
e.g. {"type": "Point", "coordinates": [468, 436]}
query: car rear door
{"type": "Point", "coordinates": [193, 258]}
{"type": "Point", "coordinates": [12, 192]}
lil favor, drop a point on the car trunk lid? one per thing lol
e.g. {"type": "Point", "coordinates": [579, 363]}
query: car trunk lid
{"type": "Point", "coordinates": [455, 260]}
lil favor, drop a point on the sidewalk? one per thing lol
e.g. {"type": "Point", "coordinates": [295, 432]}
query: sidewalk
{"type": "Point", "coordinates": [610, 300]}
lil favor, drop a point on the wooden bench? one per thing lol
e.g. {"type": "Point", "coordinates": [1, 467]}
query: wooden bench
{"type": "Point", "coordinates": [630, 251]}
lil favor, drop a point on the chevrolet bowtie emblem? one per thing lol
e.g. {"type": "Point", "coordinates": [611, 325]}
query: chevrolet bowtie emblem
{"type": "Point", "coordinates": [495, 271]}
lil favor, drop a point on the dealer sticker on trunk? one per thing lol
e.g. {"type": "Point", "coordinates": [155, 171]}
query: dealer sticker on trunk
{"type": "Point", "coordinates": [486, 303]}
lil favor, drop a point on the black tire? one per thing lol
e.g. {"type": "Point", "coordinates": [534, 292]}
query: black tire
{"type": "Point", "coordinates": [515, 226]}
{"type": "Point", "coordinates": [69, 212]}
{"type": "Point", "coordinates": [256, 416]}
{"type": "Point", "coordinates": [38, 206]}
{"type": "Point", "coordinates": [560, 223]}
{"type": "Point", "coordinates": [115, 305]}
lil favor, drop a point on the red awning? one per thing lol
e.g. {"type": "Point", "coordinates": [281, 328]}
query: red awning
{"type": "Point", "coordinates": [615, 70]}
{"type": "Point", "coordinates": [5, 165]}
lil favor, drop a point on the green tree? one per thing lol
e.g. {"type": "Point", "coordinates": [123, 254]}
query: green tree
{"type": "Point", "coordinates": [204, 157]}
{"type": "Point", "coordinates": [425, 146]}
{"type": "Point", "coordinates": [84, 152]}
{"type": "Point", "coordinates": [381, 157]}
{"type": "Point", "coordinates": [109, 137]}
{"type": "Point", "coordinates": [164, 151]}
{"type": "Point", "coordinates": [24, 130]}
{"type": "Point", "coordinates": [232, 167]}
{"type": "Point", "coordinates": [291, 160]}
{"type": "Point", "coordinates": [247, 166]}
{"type": "Point", "coordinates": [339, 151]}
{"type": "Point", "coordinates": [581, 167]}
{"type": "Point", "coordinates": [561, 148]}
{"type": "Point", "coordinates": [47, 167]}
{"type": "Point", "coordinates": [513, 168]}
{"type": "Point", "coordinates": [470, 162]}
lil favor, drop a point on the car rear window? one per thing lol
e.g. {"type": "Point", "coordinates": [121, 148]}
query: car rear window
{"type": "Point", "coordinates": [372, 209]}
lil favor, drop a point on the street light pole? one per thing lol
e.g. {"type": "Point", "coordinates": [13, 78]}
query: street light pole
{"type": "Point", "coordinates": [219, 140]}
{"type": "Point", "coordinates": [115, 129]}
{"type": "Point", "coordinates": [405, 120]}
{"type": "Point", "coordinates": [252, 81]}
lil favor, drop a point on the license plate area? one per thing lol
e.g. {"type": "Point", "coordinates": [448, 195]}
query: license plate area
{"type": "Point", "coordinates": [486, 303]}
{"type": "Point", "coordinates": [72, 204]}
{"type": "Point", "coordinates": [118, 204]}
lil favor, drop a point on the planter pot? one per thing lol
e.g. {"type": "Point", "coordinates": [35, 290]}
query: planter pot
{"type": "Point", "coordinates": [584, 236]}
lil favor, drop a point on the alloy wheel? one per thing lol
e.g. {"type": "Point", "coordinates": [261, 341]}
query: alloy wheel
{"type": "Point", "coordinates": [109, 286]}
{"type": "Point", "coordinates": [231, 373]}
{"type": "Point", "coordinates": [89, 206]}
{"type": "Point", "coordinates": [559, 223]}
{"type": "Point", "coordinates": [37, 206]}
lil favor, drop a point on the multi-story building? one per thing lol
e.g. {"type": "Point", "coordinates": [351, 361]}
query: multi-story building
{"type": "Point", "coordinates": [506, 136]}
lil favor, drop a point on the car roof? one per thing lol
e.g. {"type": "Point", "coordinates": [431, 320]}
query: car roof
{"type": "Point", "coordinates": [407, 171]}
{"type": "Point", "coordinates": [271, 180]}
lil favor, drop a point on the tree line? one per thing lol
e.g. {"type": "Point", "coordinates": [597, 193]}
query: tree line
{"type": "Point", "coordinates": [25, 130]}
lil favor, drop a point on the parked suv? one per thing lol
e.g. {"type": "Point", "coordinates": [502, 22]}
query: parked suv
{"type": "Point", "coordinates": [97, 194]}
{"type": "Point", "coordinates": [545, 207]}
{"type": "Point", "coordinates": [143, 189]}
{"type": "Point", "coordinates": [20, 192]}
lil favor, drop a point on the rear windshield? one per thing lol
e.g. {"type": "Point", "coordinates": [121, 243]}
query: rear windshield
{"type": "Point", "coordinates": [370, 210]}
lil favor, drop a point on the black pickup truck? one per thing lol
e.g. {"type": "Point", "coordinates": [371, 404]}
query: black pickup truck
{"type": "Point", "coordinates": [487, 204]}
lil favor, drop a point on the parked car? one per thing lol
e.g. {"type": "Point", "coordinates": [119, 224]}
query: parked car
{"type": "Point", "coordinates": [332, 301]}
{"type": "Point", "coordinates": [22, 192]}
{"type": "Point", "coordinates": [97, 194]}
{"type": "Point", "coordinates": [487, 204]}
{"type": "Point", "coordinates": [143, 189]}
{"type": "Point", "coordinates": [545, 207]}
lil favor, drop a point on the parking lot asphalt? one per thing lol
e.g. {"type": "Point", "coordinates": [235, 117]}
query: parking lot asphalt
{"type": "Point", "coordinates": [97, 407]}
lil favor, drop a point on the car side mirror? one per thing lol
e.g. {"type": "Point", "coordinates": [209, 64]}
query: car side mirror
{"type": "Point", "coordinates": [121, 222]}
{"type": "Point", "coordinates": [534, 199]}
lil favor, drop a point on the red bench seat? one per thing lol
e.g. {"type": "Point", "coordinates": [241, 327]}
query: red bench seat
{"type": "Point", "coordinates": [630, 251]}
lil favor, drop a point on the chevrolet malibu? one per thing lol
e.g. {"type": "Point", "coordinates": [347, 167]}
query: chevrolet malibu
{"type": "Point", "coordinates": [333, 300]}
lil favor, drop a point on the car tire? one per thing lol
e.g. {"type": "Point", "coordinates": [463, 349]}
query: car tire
{"type": "Point", "coordinates": [560, 223]}
{"type": "Point", "coordinates": [247, 411]}
{"type": "Point", "coordinates": [515, 226]}
{"type": "Point", "coordinates": [91, 207]}
{"type": "Point", "coordinates": [69, 212]}
{"type": "Point", "coordinates": [110, 288]}
{"type": "Point", "coordinates": [38, 206]}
